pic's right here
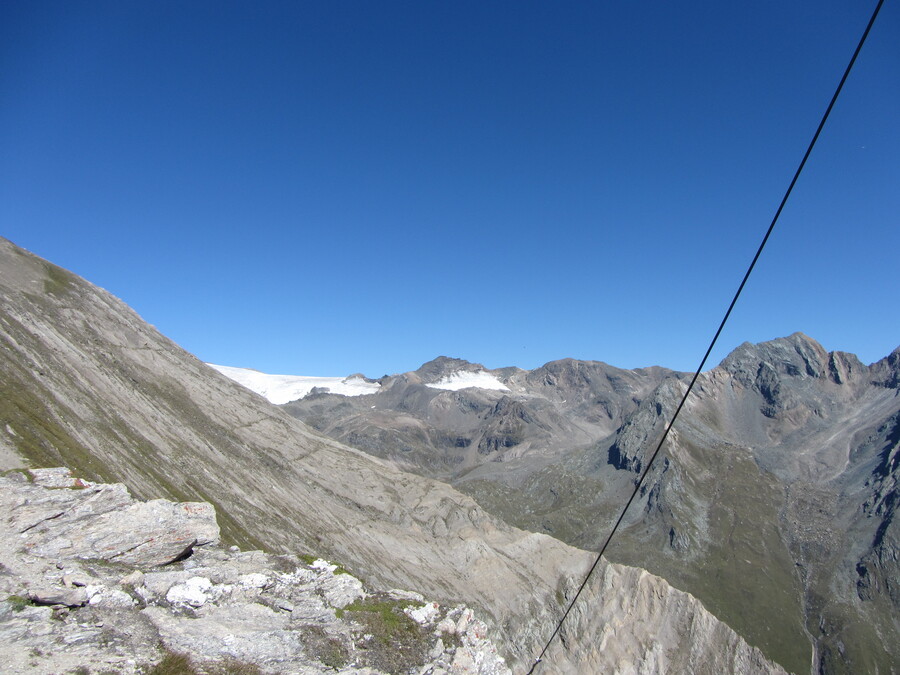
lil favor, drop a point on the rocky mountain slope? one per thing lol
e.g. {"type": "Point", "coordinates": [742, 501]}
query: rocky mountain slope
{"type": "Point", "coordinates": [774, 502]}
{"type": "Point", "coordinates": [84, 383]}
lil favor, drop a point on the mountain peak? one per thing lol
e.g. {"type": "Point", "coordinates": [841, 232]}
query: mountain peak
{"type": "Point", "coordinates": [796, 354]}
{"type": "Point", "coordinates": [443, 366]}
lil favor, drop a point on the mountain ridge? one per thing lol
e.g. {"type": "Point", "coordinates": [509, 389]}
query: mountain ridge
{"type": "Point", "coordinates": [88, 385]}
{"type": "Point", "coordinates": [812, 430]}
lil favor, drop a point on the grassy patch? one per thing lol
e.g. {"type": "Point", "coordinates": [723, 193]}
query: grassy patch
{"type": "Point", "coordinates": [17, 602]}
{"type": "Point", "coordinates": [174, 663]}
{"type": "Point", "coordinates": [59, 281]}
{"type": "Point", "coordinates": [744, 573]}
{"type": "Point", "coordinates": [23, 472]}
{"type": "Point", "coordinates": [231, 666]}
{"type": "Point", "coordinates": [329, 650]}
{"type": "Point", "coordinates": [39, 438]}
{"type": "Point", "coordinates": [398, 643]}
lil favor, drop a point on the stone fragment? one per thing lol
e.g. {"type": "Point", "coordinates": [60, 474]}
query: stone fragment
{"type": "Point", "coordinates": [410, 596]}
{"type": "Point", "coordinates": [70, 580]}
{"type": "Point", "coordinates": [94, 591]}
{"type": "Point", "coordinates": [322, 565]}
{"type": "Point", "coordinates": [74, 597]}
{"type": "Point", "coordinates": [136, 578]}
{"type": "Point", "coordinates": [425, 615]}
{"type": "Point", "coordinates": [159, 583]}
{"type": "Point", "coordinates": [57, 477]}
{"type": "Point", "coordinates": [462, 662]}
{"type": "Point", "coordinates": [64, 523]}
{"type": "Point", "coordinates": [447, 626]}
{"type": "Point", "coordinates": [463, 622]}
{"type": "Point", "coordinates": [341, 590]}
{"type": "Point", "coordinates": [112, 597]}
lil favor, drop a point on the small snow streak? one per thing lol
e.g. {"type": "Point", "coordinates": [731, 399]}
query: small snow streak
{"type": "Point", "coordinates": [462, 380]}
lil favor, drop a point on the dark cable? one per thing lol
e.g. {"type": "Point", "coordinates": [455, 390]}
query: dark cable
{"type": "Point", "coordinates": [712, 344]}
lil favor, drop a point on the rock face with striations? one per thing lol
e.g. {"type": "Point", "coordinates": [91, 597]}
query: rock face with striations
{"type": "Point", "coordinates": [87, 384]}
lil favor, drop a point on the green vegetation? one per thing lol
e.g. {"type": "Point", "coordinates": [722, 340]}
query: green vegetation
{"type": "Point", "coordinates": [398, 643]}
{"type": "Point", "coordinates": [742, 572]}
{"type": "Point", "coordinates": [174, 663]}
{"type": "Point", "coordinates": [59, 281]}
{"type": "Point", "coordinates": [17, 602]}
{"type": "Point", "coordinates": [39, 438]}
{"type": "Point", "coordinates": [328, 649]}
{"type": "Point", "coordinates": [22, 471]}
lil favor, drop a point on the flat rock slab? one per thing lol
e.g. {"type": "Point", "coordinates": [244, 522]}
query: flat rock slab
{"type": "Point", "coordinates": [103, 522]}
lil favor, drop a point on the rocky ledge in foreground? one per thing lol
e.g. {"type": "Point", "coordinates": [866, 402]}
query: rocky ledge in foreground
{"type": "Point", "coordinates": [96, 582]}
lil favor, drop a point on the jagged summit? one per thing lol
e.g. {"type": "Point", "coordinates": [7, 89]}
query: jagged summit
{"type": "Point", "coordinates": [886, 372]}
{"type": "Point", "coordinates": [795, 354]}
{"type": "Point", "coordinates": [442, 366]}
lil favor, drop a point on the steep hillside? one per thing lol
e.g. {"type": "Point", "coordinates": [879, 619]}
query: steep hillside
{"type": "Point", "coordinates": [84, 383]}
{"type": "Point", "coordinates": [774, 502]}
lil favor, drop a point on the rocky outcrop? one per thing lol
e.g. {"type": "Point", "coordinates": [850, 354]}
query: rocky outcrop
{"type": "Point", "coordinates": [68, 607]}
{"type": "Point", "coordinates": [102, 522]}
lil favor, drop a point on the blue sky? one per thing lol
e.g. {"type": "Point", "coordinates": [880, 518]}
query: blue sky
{"type": "Point", "coordinates": [336, 187]}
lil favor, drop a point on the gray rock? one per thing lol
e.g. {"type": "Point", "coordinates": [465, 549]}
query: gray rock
{"type": "Point", "coordinates": [135, 578]}
{"type": "Point", "coordinates": [103, 522]}
{"type": "Point", "coordinates": [341, 590]}
{"type": "Point", "coordinates": [68, 597]}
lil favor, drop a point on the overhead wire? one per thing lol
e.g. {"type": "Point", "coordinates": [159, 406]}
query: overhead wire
{"type": "Point", "coordinates": [712, 343]}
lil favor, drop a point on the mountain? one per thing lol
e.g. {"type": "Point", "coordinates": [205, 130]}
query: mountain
{"type": "Point", "coordinates": [86, 384]}
{"type": "Point", "coordinates": [452, 418]}
{"type": "Point", "coordinates": [773, 502]}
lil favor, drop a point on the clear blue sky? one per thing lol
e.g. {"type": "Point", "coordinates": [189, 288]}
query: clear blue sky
{"type": "Point", "coordinates": [323, 188]}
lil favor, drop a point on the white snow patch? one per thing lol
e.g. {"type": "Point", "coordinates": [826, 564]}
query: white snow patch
{"type": "Point", "coordinates": [285, 388]}
{"type": "Point", "coordinates": [463, 379]}
{"type": "Point", "coordinates": [192, 592]}
{"type": "Point", "coordinates": [253, 580]}
{"type": "Point", "coordinates": [323, 565]}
